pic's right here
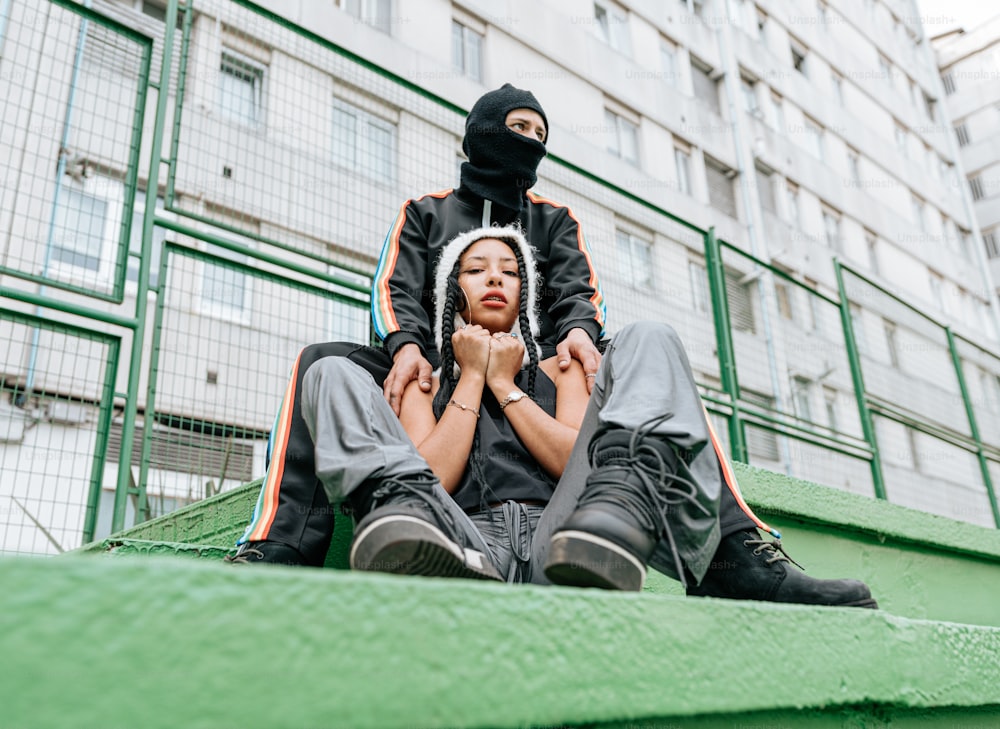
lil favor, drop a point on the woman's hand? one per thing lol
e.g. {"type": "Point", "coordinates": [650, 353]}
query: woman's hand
{"type": "Point", "coordinates": [471, 344]}
{"type": "Point", "coordinates": [506, 356]}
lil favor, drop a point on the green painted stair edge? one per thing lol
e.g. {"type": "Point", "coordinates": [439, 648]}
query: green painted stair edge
{"type": "Point", "coordinates": [167, 643]}
{"type": "Point", "coordinates": [918, 565]}
{"type": "Point", "coordinates": [221, 519]}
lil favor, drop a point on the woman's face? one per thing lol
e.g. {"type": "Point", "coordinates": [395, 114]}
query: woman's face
{"type": "Point", "coordinates": [487, 273]}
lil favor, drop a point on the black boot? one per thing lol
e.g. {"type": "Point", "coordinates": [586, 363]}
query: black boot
{"type": "Point", "coordinates": [404, 530]}
{"type": "Point", "coordinates": [266, 553]}
{"type": "Point", "coordinates": [622, 514]}
{"type": "Point", "coordinates": [746, 567]}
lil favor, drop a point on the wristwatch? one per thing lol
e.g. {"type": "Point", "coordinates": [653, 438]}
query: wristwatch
{"type": "Point", "coordinates": [514, 396]}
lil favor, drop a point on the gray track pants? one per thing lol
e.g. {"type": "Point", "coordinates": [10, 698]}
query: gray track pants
{"type": "Point", "coordinates": [644, 374]}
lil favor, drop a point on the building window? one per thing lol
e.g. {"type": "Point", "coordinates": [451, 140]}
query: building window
{"type": "Point", "coordinates": [831, 230]}
{"type": "Point", "coordinates": [765, 188]}
{"type": "Point", "coordinates": [363, 143]}
{"type": "Point", "coordinates": [135, 243]}
{"type": "Point", "coordinates": [792, 203]}
{"type": "Point", "coordinates": [837, 85]}
{"type": "Point", "coordinates": [854, 166]}
{"type": "Point", "coordinates": [682, 160]}
{"type": "Point", "coordinates": [814, 137]}
{"type": "Point", "coordinates": [623, 137]}
{"type": "Point", "coordinates": [918, 212]}
{"type": "Point", "coordinates": [762, 444]}
{"type": "Point", "coordinates": [86, 227]}
{"type": "Point", "coordinates": [962, 132]}
{"type": "Point", "coordinates": [799, 56]}
{"type": "Point", "coordinates": [635, 260]}
{"type": "Point", "coordinates": [748, 88]}
{"type": "Point", "coordinates": [241, 89]}
{"type": "Point", "coordinates": [700, 300]}
{"type": "Point", "coordinates": [740, 299]}
{"type": "Point", "coordinates": [992, 244]}
{"type": "Point", "coordinates": [801, 395]}
{"type": "Point", "coordinates": [830, 404]}
{"type": "Point", "coordinates": [777, 113]}
{"type": "Point", "coordinates": [965, 240]}
{"type": "Point", "coordinates": [668, 62]}
{"type": "Point", "coordinates": [783, 294]}
{"type": "Point", "coordinates": [891, 343]}
{"type": "Point", "coordinates": [871, 244]}
{"type": "Point", "coordinates": [928, 105]}
{"type": "Point", "coordinates": [611, 24]}
{"type": "Point", "coordinates": [467, 50]}
{"type": "Point", "coordinates": [976, 186]}
{"type": "Point", "coordinates": [721, 191]}
{"type": "Point", "coordinates": [224, 289]}
{"type": "Point", "coordinates": [885, 69]}
{"type": "Point", "coordinates": [858, 328]}
{"type": "Point", "coordinates": [375, 13]}
{"type": "Point", "coordinates": [937, 288]}
{"type": "Point", "coordinates": [706, 88]}
{"type": "Point", "coordinates": [347, 318]}
{"type": "Point", "coordinates": [900, 135]}
{"type": "Point", "coordinates": [948, 78]}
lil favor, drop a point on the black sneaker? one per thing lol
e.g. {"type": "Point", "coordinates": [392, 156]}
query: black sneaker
{"type": "Point", "coordinates": [406, 531]}
{"type": "Point", "coordinates": [622, 514]}
{"type": "Point", "coordinates": [265, 553]}
{"type": "Point", "coordinates": [746, 567]}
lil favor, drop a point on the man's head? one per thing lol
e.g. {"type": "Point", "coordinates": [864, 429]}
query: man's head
{"type": "Point", "coordinates": [505, 135]}
{"type": "Point", "coordinates": [489, 114]}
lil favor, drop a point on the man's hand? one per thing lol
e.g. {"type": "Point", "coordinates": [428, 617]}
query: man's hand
{"type": "Point", "coordinates": [408, 364]}
{"type": "Point", "coordinates": [578, 345]}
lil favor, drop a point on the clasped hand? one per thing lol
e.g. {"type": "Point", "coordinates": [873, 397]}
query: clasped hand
{"type": "Point", "coordinates": [497, 357]}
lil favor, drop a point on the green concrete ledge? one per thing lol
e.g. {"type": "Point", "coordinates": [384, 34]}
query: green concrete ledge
{"type": "Point", "coordinates": [133, 642]}
{"type": "Point", "coordinates": [919, 565]}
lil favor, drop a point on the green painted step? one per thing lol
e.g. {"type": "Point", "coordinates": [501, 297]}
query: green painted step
{"type": "Point", "coordinates": [918, 565]}
{"type": "Point", "coordinates": [165, 642]}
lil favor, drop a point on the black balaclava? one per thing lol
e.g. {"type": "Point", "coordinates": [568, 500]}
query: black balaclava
{"type": "Point", "coordinates": [502, 163]}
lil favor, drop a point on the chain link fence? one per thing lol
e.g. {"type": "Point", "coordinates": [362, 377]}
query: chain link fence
{"type": "Point", "coordinates": [210, 233]}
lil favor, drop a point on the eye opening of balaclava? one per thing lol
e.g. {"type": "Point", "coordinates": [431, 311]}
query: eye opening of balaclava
{"type": "Point", "coordinates": [502, 163]}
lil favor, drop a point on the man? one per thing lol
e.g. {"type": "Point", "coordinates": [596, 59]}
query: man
{"type": "Point", "coordinates": [505, 135]}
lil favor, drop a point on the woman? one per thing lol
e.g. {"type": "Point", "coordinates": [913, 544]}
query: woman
{"type": "Point", "coordinates": [498, 426]}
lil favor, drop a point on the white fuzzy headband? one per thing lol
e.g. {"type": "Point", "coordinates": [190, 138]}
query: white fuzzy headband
{"type": "Point", "coordinates": [450, 254]}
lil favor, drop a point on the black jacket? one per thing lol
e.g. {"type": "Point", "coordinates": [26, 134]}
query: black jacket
{"type": "Point", "coordinates": [402, 291]}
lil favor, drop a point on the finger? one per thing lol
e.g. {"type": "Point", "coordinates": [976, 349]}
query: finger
{"type": "Point", "coordinates": [424, 376]}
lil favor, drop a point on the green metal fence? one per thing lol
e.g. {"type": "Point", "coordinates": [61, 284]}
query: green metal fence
{"type": "Point", "coordinates": [206, 191]}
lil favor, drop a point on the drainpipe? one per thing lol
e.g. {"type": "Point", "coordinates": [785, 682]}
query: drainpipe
{"type": "Point", "coordinates": [4, 15]}
{"type": "Point", "coordinates": [60, 172]}
{"type": "Point", "coordinates": [765, 284]}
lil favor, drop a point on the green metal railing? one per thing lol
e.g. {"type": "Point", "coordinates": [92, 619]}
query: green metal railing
{"type": "Point", "coordinates": [265, 202]}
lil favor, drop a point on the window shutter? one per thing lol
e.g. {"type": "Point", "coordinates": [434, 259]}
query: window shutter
{"type": "Point", "coordinates": [721, 194]}
{"type": "Point", "coordinates": [740, 305]}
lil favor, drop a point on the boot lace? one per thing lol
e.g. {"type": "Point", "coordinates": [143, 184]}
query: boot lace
{"type": "Point", "coordinates": [420, 489]}
{"type": "Point", "coordinates": [774, 550]}
{"type": "Point", "coordinates": [242, 555]}
{"type": "Point", "coordinates": [656, 489]}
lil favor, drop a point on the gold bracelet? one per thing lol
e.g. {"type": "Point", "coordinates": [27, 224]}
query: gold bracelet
{"type": "Point", "coordinates": [463, 406]}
